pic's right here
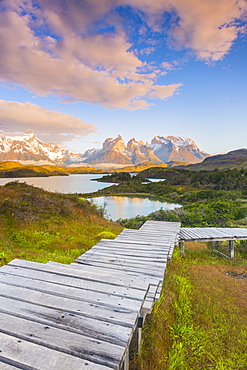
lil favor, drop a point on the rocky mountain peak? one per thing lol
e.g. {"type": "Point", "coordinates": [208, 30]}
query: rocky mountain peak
{"type": "Point", "coordinates": [117, 144]}
{"type": "Point", "coordinates": [25, 147]}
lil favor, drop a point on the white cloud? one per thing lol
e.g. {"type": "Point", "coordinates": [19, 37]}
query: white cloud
{"type": "Point", "coordinates": [18, 117]}
{"type": "Point", "coordinates": [207, 27]}
{"type": "Point", "coordinates": [54, 48]}
{"type": "Point", "coordinates": [84, 67]}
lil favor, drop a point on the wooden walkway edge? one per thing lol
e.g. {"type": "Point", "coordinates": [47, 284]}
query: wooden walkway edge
{"type": "Point", "coordinates": [87, 314]}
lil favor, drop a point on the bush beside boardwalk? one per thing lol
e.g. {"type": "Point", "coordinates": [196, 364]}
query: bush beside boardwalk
{"type": "Point", "coordinates": [39, 226]}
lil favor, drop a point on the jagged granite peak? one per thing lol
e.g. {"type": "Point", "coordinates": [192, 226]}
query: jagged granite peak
{"type": "Point", "coordinates": [132, 144]}
{"type": "Point", "coordinates": [117, 144]}
{"type": "Point", "coordinates": [27, 147]}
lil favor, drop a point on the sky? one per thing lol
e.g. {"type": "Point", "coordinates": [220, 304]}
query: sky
{"type": "Point", "coordinates": [79, 71]}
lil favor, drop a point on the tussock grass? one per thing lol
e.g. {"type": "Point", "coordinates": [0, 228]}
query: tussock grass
{"type": "Point", "coordinates": [200, 321]}
{"type": "Point", "coordinates": [40, 226]}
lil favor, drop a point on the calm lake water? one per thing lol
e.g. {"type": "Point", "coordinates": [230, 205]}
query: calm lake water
{"type": "Point", "coordinates": [128, 207]}
{"type": "Point", "coordinates": [115, 206]}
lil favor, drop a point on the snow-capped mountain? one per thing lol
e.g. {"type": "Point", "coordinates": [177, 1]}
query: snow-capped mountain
{"type": "Point", "coordinates": [27, 147]}
{"type": "Point", "coordinates": [113, 151]}
{"type": "Point", "coordinates": [176, 148]}
{"type": "Point", "coordinates": [161, 150]}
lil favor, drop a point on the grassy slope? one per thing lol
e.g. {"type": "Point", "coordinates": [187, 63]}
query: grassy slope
{"type": "Point", "coordinates": [41, 226]}
{"type": "Point", "coordinates": [235, 159]}
{"type": "Point", "coordinates": [201, 320]}
{"type": "Point", "coordinates": [48, 170]}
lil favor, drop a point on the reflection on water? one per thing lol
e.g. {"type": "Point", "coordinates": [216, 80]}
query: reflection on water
{"type": "Point", "coordinates": [127, 207]}
{"type": "Point", "coordinates": [64, 184]}
{"type": "Point", "coordinates": [116, 206]}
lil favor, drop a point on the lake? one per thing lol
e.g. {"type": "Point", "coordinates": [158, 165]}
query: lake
{"type": "Point", "coordinates": [131, 206]}
{"type": "Point", "coordinates": [115, 206]}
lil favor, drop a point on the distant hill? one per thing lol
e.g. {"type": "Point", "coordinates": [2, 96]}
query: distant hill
{"type": "Point", "coordinates": [235, 159]}
{"type": "Point", "coordinates": [12, 169]}
{"type": "Point", "coordinates": [157, 173]}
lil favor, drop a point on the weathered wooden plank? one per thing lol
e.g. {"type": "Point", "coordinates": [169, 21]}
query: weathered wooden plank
{"type": "Point", "coordinates": [131, 279]}
{"type": "Point", "coordinates": [158, 272]}
{"type": "Point", "coordinates": [147, 238]}
{"type": "Point", "coordinates": [122, 263]}
{"type": "Point", "coordinates": [86, 348]}
{"type": "Point", "coordinates": [160, 226]}
{"type": "Point", "coordinates": [81, 297]}
{"type": "Point", "coordinates": [107, 272]}
{"type": "Point", "coordinates": [30, 356]}
{"type": "Point", "coordinates": [212, 233]}
{"type": "Point", "coordinates": [126, 248]}
{"type": "Point", "coordinates": [145, 245]}
{"type": "Point", "coordinates": [108, 314]}
{"type": "Point", "coordinates": [142, 244]}
{"type": "Point", "coordinates": [112, 332]}
{"type": "Point", "coordinates": [6, 366]}
{"type": "Point", "coordinates": [85, 284]}
{"type": "Point", "coordinates": [125, 258]}
{"type": "Point", "coordinates": [159, 235]}
{"type": "Point", "coordinates": [141, 271]}
{"type": "Point", "coordinates": [146, 279]}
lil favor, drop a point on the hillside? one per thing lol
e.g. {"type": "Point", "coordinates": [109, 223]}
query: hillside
{"type": "Point", "coordinates": [11, 169]}
{"type": "Point", "coordinates": [236, 159]}
{"type": "Point", "coordinates": [40, 226]}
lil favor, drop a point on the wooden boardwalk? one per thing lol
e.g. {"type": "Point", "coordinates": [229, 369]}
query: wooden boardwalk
{"type": "Point", "coordinates": [215, 234]}
{"type": "Point", "coordinates": [87, 314]}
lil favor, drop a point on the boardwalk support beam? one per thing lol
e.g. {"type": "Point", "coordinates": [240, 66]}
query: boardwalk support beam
{"type": "Point", "coordinates": [216, 245]}
{"type": "Point", "coordinates": [231, 249]}
{"type": "Point", "coordinates": [140, 324]}
{"type": "Point", "coordinates": [181, 246]}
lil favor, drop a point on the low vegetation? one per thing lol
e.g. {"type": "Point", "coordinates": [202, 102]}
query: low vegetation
{"type": "Point", "coordinates": [200, 321]}
{"type": "Point", "coordinates": [209, 198]}
{"type": "Point", "coordinates": [119, 177]}
{"type": "Point", "coordinates": [40, 226]}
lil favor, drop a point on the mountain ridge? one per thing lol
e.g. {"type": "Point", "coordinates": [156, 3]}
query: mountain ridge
{"type": "Point", "coordinates": [28, 147]}
{"type": "Point", "coordinates": [161, 150]}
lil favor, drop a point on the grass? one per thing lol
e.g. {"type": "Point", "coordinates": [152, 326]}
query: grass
{"type": "Point", "coordinates": [37, 225]}
{"type": "Point", "coordinates": [200, 321]}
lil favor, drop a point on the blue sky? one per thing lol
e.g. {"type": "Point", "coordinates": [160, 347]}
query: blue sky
{"type": "Point", "coordinates": [78, 72]}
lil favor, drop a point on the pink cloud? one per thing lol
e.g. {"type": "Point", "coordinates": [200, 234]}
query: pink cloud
{"type": "Point", "coordinates": [74, 63]}
{"type": "Point", "coordinates": [18, 117]}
